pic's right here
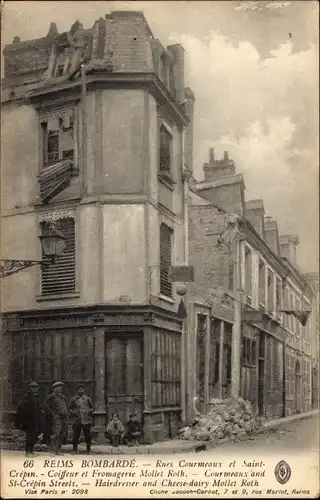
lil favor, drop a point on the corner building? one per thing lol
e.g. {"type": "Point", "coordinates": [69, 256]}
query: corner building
{"type": "Point", "coordinates": [103, 157]}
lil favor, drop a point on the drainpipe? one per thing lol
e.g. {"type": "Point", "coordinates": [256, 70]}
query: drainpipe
{"type": "Point", "coordinates": [185, 358]}
{"type": "Point", "coordinates": [84, 125]}
{"type": "Point", "coordinates": [236, 329]}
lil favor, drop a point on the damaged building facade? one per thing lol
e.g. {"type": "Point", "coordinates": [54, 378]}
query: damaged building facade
{"type": "Point", "coordinates": [97, 140]}
{"type": "Point", "coordinates": [246, 276]}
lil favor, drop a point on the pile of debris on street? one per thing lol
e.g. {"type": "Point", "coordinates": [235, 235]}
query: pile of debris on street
{"type": "Point", "coordinates": [226, 419]}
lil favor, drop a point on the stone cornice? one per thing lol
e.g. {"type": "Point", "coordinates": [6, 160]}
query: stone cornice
{"type": "Point", "coordinates": [90, 316]}
{"type": "Point", "coordinates": [31, 94]}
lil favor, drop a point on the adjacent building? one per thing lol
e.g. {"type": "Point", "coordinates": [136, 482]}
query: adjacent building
{"type": "Point", "coordinates": [246, 276]}
{"type": "Point", "coordinates": [97, 139]}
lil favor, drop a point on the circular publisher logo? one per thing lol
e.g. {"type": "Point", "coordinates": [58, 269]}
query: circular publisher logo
{"type": "Point", "coordinates": [282, 472]}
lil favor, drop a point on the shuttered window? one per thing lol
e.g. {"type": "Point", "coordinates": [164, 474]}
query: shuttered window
{"type": "Point", "coordinates": [166, 234]}
{"type": "Point", "coordinates": [59, 278]}
{"type": "Point", "coordinates": [166, 369]}
{"type": "Point", "coordinates": [165, 149]}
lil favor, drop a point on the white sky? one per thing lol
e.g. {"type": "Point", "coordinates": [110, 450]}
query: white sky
{"type": "Point", "coordinates": [254, 69]}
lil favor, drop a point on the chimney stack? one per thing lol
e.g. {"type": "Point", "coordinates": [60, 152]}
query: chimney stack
{"type": "Point", "coordinates": [218, 169]}
{"type": "Point", "coordinates": [211, 156]}
{"type": "Point", "coordinates": [255, 215]}
{"type": "Point", "coordinates": [272, 235]}
{"type": "Point", "coordinates": [177, 52]}
{"type": "Point", "coordinates": [288, 247]}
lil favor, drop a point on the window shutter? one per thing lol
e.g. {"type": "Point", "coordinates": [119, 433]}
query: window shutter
{"type": "Point", "coordinates": [59, 278]}
{"type": "Point", "coordinates": [165, 149]}
{"type": "Point", "coordinates": [165, 259]}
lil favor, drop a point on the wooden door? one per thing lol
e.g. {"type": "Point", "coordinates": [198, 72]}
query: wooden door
{"type": "Point", "coordinates": [124, 376]}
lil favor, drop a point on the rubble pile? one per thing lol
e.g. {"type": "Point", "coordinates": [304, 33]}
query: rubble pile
{"type": "Point", "coordinates": [226, 418]}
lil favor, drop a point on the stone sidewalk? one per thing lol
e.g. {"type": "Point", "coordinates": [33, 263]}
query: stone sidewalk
{"type": "Point", "coordinates": [175, 446]}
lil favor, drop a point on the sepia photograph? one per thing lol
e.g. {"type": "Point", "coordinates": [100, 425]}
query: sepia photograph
{"type": "Point", "coordinates": [159, 249]}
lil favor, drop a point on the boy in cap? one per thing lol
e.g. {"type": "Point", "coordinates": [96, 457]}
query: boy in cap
{"type": "Point", "coordinates": [30, 417]}
{"type": "Point", "coordinates": [115, 430]}
{"type": "Point", "coordinates": [81, 411]}
{"type": "Point", "coordinates": [57, 407]}
{"type": "Point", "coordinates": [133, 431]}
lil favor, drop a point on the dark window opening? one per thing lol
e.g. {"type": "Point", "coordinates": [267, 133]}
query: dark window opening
{"type": "Point", "coordinates": [165, 150]}
{"type": "Point", "coordinates": [248, 275]}
{"type": "Point", "coordinates": [262, 283]}
{"type": "Point", "coordinates": [249, 352]}
{"type": "Point", "coordinates": [53, 146]}
{"type": "Point", "coordinates": [166, 234]}
{"type": "Point", "coordinates": [58, 139]}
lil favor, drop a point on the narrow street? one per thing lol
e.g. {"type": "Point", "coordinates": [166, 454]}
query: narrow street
{"type": "Point", "coordinates": [295, 437]}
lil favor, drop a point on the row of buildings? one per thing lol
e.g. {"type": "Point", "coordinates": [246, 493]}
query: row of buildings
{"type": "Point", "coordinates": [97, 138]}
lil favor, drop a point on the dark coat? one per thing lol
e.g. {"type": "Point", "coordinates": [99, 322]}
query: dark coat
{"type": "Point", "coordinates": [30, 414]}
{"type": "Point", "coordinates": [54, 406]}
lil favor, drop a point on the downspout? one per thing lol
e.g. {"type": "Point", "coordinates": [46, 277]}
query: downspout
{"type": "Point", "coordinates": [84, 126]}
{"type": "Point", "coordinates": [236, 330]}
{"type": "Point", "coordinates": [186, 174]}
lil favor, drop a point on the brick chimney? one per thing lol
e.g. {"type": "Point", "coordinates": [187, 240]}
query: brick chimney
{"type": "Point", "coordinates": [216, 169]}
{"type": "Point", "coordinates": [272, 235]}
{"type": "Point", "coordinates": [288, 246]}
{"type": "Point", "coordinates": [255, 214]}
{"type": "Point", "coordinates": [188, 144]}
{"type": "Point", "coordinates": [222, 185]}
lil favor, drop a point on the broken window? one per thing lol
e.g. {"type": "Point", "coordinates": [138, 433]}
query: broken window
{"type": "Point", "coordinates": [58, 137]}
{"type": "Point", "coordinates": [58, 161]}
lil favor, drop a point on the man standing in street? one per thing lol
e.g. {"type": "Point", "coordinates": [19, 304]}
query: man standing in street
{"type": "Point", "coordinates": [57, 407]}
{"type": "Point", "coordinates": [81, 411]}
{"type": "Point", "coordinates": [30, 417]}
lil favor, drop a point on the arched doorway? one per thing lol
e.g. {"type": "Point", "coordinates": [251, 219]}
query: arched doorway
{"type": "Point", "coordinates": [298, 387]}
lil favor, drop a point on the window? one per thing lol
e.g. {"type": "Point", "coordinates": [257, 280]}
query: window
{"type": "Point", "coordinates": [270, 278]}
{"type": "Point", "coordinates": [166, 235]}
{"type": "Point", "coordinates": [278, 297]}
{"type": "Point", "coordinates": [165, 150]}
{"type": "Point", "coordinates": [58, 136]}
{"type": "Point", "coordinates": [59, 277]}
{"type": "Point", "coordinates": [58, 162]}
{"type": "Point", "coordinates": [200, 355]}
{"type": "Point", "coordinates": [248, 274]}
{"type": "Point", "coordinates": [262, 283]}
{"type": "Point", "coordinates": [249, 352]}
{"type": "Point", "coordinates": [286, 305]}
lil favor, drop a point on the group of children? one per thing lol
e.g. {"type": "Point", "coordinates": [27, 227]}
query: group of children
{"type": "Point", "coordinates": [118, 434]}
